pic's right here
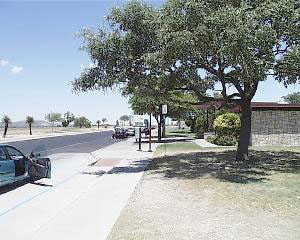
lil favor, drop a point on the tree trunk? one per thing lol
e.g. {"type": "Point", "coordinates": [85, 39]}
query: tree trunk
{"type": "Point", "coordinates": [30, 132]}
{"type": "Point", "coordinates": [158, 127]}
{"type": "Point", "coordinates": [193, 126]}
{"type": "Point", "coordinates": [159, 131]}
{"type": "Point", "coordinates": [5, 130]}
{"type": "Point", "coordinates": [242, 151]}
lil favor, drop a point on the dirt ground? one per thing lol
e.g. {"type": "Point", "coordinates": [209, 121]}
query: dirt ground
{"type": "Point", "coordinates": [205, 195]}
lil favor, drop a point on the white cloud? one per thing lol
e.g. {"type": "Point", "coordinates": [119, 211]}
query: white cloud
{"type": "Point", "coordinates": [16, 69]}
{"type": "Point", "coordinates": [3, 63]}
{"type": "Point", "coordinates": [81, 66]}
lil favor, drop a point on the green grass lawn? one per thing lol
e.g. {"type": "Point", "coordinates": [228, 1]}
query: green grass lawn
{"type": "Point", "coordinates": [175, 132]}
{"type": "Point", "coordinates": [173, 148]}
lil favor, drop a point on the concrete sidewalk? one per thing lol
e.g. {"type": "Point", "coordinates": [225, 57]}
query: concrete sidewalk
{"type": "Point", "coordinates": [204, 143]}
{"type": "Point", "coordinates": [85, 205]}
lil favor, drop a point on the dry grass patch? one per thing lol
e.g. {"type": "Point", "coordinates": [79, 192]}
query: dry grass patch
{"type": "Point", "coordinates": [206, 195]}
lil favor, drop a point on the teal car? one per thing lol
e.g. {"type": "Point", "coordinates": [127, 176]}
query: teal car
{"type": "Point", "coordinates": [15, 166]}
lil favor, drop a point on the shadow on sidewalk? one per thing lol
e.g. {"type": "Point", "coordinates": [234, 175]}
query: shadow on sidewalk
{"type": "Point", "coordinates": [135, 167]}
{"type": "Point", "coordinates": [14, 186]}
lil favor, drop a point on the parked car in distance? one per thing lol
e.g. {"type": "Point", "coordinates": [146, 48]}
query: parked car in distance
{"type": "Point", "coordinates": [130, 131]}
{"type": "Point", "coordinates": [119, 132]}
{"type": "Point", "coordinates": [15, 166]}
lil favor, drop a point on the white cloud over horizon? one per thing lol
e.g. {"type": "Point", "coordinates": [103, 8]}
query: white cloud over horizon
{"type": "Point", "coordinates": [16, 69]}
{"type": "Point", "coordinates": [3, 63]}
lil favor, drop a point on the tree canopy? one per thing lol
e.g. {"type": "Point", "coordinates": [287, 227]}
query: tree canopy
{"type": "Point", "coordinates": [53, 117]}
{"type": "Point", "coordinates": [82, 122]}
{"type": "Point", "coordinates": [68, 118]}
{"type": "Point", "coordinates": [292, 98]}
{"type": "Point", "coordinates": [196, 46]}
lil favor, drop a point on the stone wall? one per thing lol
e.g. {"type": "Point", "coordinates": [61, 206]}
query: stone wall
{"type": "Point", "coordinates": [275, 127]}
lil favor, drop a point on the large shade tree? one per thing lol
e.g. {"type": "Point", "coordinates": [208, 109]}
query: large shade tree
{"type": "Point", "coordinates": [196, 45]}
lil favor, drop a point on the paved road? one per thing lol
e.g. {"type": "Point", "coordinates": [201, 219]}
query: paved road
{"type": "Point", "coordinates": [79, 201]}
{"type": "Point", "coordinates": [80, 143]}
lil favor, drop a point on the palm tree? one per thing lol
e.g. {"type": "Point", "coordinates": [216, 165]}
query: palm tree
{"type": "Point", "coordinates": [29, 121]}
{"type": "Point", "coordinates": [6, 120]}
{"type": "Point", "coordinates": [98, 123]}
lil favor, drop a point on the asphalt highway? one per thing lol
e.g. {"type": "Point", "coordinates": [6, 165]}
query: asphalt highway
{"type": "Point", "coordinates": [80, 143]}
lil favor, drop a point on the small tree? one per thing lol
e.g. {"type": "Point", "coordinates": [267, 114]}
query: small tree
{"type": "Point", "coordinates": [6, 120]}
{"type": "Point", "coordinates": [30, 121]}
{"type": "Point", "coordinates": [98, 123]}
{"type": "Point", "coordinates": [124, 118]}
{"type": "Point", "coordinates": [104, 120]}
{"type": "Point", "coordinates": [201, 125]}
{"type": "Point", "coordinates": [68, 118]}
{"type": "Point", "coordinates": [82, 122]}
{"type": "Point", "coordinates": [53, 117]}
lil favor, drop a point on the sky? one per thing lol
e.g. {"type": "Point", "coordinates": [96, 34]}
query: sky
{"type": "Point", "coordinates": [40, 56]}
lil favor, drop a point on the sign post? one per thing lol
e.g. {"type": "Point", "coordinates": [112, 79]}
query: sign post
{"type": "Point", "coordinates": [150, 129]}
{"type": "Point", "coordinates": [138, 137]}
{"type": "Point", "coordinates": [164, 112]}
{"type": "Point", "coordinates": [164, 109]}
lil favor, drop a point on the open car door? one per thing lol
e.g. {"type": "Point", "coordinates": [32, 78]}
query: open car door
{"type": "Point", "coordinates": [39, 168]}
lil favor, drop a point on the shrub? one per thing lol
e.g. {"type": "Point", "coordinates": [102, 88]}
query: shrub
{"type": "Point", "coordinates": [201, 125]}
{"type": "Point", "coordinates": [188, 122]}
{"type": "Point", "coordinates": [227, 128]}
{"type": "Point", "coordinates": [228, 124]}
{"type": "Point", "coordinates": [223, 140]}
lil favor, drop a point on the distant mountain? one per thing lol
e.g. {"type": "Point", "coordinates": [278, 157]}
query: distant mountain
{"type": "Point", "coordinates": [22, 124]}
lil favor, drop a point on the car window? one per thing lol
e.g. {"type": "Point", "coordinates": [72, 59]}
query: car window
{"type": "Point", "coordinates": [2, 154]}
{"type": "Point", "coordinates": [14, 153]}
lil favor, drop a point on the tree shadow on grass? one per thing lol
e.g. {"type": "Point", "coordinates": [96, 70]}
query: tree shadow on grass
{"type": "Point", "coordinates": [222, 165]}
